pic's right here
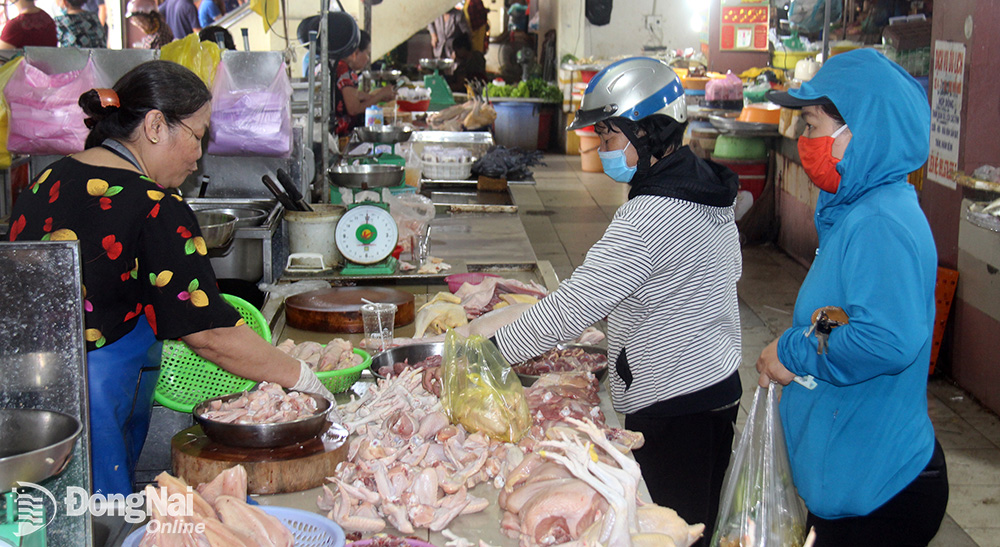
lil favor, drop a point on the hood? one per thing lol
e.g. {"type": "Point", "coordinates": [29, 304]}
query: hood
{"type": "Point", "coordinates": [889, 117]}
{"type": "Point", "coordinates": [683, 175]}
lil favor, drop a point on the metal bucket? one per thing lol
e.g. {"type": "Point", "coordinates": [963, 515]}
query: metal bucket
{"type": "Point", "coordinates": [315, 232]}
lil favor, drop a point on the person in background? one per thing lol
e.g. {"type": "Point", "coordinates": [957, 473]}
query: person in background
{"type": "Point", "coordinates": [156, 32]}
{"type": "Point", "coordinates": [469, 64]}
{"type": "Point", "coordinates": [349, 101]}
{"type": "Point", "coordinates": [445, 29]}
{"type": "Point", "coordinates": [31, 27]}
{"type": "Point", "coordinates": [146, 272]}
{"type": "Point", "coordinates": [862, 448]}
{"type": "Point", "coordinates": [209, 34]}
{"type": "Point", "coordinates": [78, 27]}
{"type": "Point", "coordinates": [664, 275]}
{"type": "Point", "coordinates": [209, 11]}
{"type": "Point", "coordinates": [181, 16]}
{"type": "Point", "coordinates": [98, 7]}
{"type": "Point", "coordinates": [477, 16]}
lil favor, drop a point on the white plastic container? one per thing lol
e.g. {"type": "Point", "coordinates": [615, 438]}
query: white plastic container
{"type": "Point", "coordinates": [374, 116]}
{"type": "Point", "coordinates": [314, 232]}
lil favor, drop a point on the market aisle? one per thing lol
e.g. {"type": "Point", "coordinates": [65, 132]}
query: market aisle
{"type": "Point", "coordinates": [567, 211]}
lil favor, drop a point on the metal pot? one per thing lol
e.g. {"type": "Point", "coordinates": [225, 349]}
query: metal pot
{"type": "Point", "coordinates": [38, 444]}
{"type": "Point", "coordinates": [413, 353]}
{"type": "Point", "coordinates": [216, 228]}
{"type": "Point", "coordinates": [263, 435]}
{"type": "Point", "coordinates": [384, 134]}
{"type": "Point", "coordinates": [365, 176]}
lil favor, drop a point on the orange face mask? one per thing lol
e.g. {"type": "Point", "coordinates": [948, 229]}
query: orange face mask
{"type": "Point", "coordinates": [816, 155]}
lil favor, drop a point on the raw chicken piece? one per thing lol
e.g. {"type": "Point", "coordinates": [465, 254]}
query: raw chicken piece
{"type": "Point", "coordinates": [258, 525]}
{"type": "Point", "coordinates": [439, 314]}
{"type": "Point", "coordinates": [177, 486]}
{"type": "Point", "coordinates": [231, 482]}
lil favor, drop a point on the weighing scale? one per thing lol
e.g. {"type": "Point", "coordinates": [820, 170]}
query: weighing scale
{"type": "Point", "coordinates": [385, 134]}
{"type": "Point", "coordinates": [366, 234]}
{"type": "Point", "coordinates": [21, 532]}
{"type": "Point", "coordinates": [441, 96]}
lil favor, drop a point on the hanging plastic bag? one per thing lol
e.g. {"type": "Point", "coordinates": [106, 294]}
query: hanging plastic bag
{"type": "Point", "coordinates": [6, 71]}
{"type": "Point", "coordinates": [251, 120]}
{"type": "Point", "coordinates": [45, 117]}
{"type": "Point", "coordinates": [760, 506]}
{"type": "Point", "coordinates": [202, 58]}
{"type": "Point", "coordinates": [480, 391]}
{"type": "Point", "coordinates": [413, 213]}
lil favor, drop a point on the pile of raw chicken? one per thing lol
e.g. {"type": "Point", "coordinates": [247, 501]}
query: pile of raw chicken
{"type": "Point", "coordinates": [219, 511]}
{"type": "Point", "coordinates": [337, 354]}
{"type": "Point", "coordinates": [267, 404]}
{"type": "Point", "coordinates": [569, 479]}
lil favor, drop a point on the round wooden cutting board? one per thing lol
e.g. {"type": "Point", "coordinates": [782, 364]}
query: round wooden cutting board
{"type": "Point", "coordinates": [338, 309]}
{"type": "Point", "coordinates": [293, 468]}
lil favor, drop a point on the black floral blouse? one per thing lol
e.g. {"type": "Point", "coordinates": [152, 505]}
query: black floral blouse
{"type": "Point", "coordinates": [141, 248]}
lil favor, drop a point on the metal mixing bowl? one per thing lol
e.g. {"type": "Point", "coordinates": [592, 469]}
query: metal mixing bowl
{"type": "Point", "coordinates": [382, 75]}
{"type": "Point", "coordinates": [216, 228]}
{"type": "Point", "coordinates": [38, 444]}
{"type": "Point", "coordinates": [263, 435]}
{"type": "Point", "coordinates": [384, 134]}
{"type": "Point", "coordinates": [246, 217]}
{"type": "Point", "coordinates": [414, 352]}
{"type": "Point", "coordinates": [528, 379]}
{"type": "Point", "coordinates": [365, 176]}
{"type": "Point", "coordinates": [435, 64]}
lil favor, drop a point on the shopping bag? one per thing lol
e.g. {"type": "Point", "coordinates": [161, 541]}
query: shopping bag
{"type": "Point", "coordinates": [760, 506]}
{"type": "Point", "coordinates": [251, 120]}
{"type": "Point", "coordinates": [480, 391]}
{"type": "Point", "coordinates": [6, 71]}
{"type": "Point", "coordinates": [45, 116]}
{"type": "Point", "coordinates": [202, 58]}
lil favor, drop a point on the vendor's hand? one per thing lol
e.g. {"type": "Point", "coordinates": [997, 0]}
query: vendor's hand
{"type": "Point", "coordinates": [770, 368]}
{"type": "Point", "coordinates": [386, 93]}
{"type": "Point", "coordinates": [488, 324]}
{"type": "Point", "coordinates": [309, 383]}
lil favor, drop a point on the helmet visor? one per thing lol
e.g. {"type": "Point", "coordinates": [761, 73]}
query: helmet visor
{"type": "Point", "coordinates": [586, 118]}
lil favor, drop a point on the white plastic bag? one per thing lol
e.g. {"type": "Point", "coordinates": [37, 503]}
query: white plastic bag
{"type": "Point", "coordinates": [413, 213]}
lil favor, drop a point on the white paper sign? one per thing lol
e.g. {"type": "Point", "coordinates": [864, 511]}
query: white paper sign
{"type": "Point", "coordinates": [946, 110]}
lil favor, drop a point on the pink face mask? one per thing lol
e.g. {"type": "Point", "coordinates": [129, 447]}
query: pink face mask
{"type": "Point", "coordinates": [816, 155]}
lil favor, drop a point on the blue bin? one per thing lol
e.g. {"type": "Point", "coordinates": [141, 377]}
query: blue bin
{"type": "Point", "coordinates": [517, 124]}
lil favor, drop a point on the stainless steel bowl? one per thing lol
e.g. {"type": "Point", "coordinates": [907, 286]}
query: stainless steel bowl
{"type": "Point", "coordinates": [365, 176]}
{"type": "Point", "coordinates": [246, 217]}
{"type": "Point", "coordinates": [216, 228]}
{"type": "Point", "coordinates": [384, 134]}
{"type": "Point", "coordinates": [436, 64]}
{"type": "Point", "coordinates": [38, 444]}
{"type": "Point", "coordinates": [528, 379]}
{"type": "Point", "coordinates": [382, 75]}
{"type": "Point", "coordinates": [414, 352]}
{"type": "Point", "coordinates": [263, 435]}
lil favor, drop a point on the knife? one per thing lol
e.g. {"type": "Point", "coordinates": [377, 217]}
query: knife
{"type": "Point", "coordinates": [282, 197]}
{"type": "Point", "coordinates": [289, 185]}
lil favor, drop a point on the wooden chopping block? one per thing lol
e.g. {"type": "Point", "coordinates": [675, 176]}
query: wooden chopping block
{"type": "Point", "coordinates": [198, 459]}
{"type": "Point", "coordinates": [338, 309]}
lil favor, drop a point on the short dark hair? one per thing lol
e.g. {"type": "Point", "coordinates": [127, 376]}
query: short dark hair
{"type": "Point", "coordinates": [207, 34]}
{"type": "Point", "coordinates": [463, 42]}
{"type": "Point", "coordinates": [76, 4]}
{"type": "Point", "coordinates": [659, 132]}
{"type": "Point", "coordinates": [365, 41]}
{"type": "Point", "coordinates": [831, 110]}
{"type": "Point", "coordinates": [154, 85]}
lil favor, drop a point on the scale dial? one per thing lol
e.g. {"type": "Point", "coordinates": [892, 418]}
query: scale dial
{"type": "Point", "coordinates": [366, 234]}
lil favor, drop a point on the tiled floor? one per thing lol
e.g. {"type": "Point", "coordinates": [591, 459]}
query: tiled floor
{"type": "Point", "coordinates": [568, 210]}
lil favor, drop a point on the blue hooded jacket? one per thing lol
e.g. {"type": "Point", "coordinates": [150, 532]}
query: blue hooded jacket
{"type": "Point", "coordinates": [863, 434]}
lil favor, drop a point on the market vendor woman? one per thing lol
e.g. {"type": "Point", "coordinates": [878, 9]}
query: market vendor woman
{"type": "Point", "coordinates": [146, 275]}
{"type": "Point", "coordinates": [664, 274]}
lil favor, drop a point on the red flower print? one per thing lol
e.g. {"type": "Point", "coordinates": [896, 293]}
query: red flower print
{"type": "Point", "coordinates": [48, 225]}
{"type": "Point", "coordinates": [54, 192]}
{"type": "Point", "coordinates": [131, 314]}
{"type": "Point", "coordinates": [184, 232]}
{"type": "Point", "coordinates": [155, 210]}
{"type": "Point", "coordinates": [17, 227]}
{"type": "Point", "coordinates": [151, 317]}
{"type": "Point", "coordinates": [105, 203]}
{"type": "Point", "coordinates": [113, 248]}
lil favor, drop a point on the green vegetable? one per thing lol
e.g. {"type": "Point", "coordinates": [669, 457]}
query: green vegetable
{"type": "Point", "coordinates": [535, 88]}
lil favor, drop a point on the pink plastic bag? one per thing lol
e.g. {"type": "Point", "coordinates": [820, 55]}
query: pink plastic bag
{"type": "Point", "coordinates": [251, 121]}
{"type": "Point", "coordinates": [44, 115]}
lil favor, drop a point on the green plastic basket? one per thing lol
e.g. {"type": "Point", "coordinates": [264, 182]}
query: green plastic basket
{"type": "Point", "coordinates": [342, 380]}
{"type": "Point", "coordinates": [187, 379]}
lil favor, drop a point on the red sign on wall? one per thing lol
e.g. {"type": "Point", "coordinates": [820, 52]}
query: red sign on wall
{"type": "Point", "coordinates": [744, 25]}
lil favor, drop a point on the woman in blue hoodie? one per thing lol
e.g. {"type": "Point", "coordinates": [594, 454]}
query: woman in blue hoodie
{"type": "Point", "coordinates": [862, 448]}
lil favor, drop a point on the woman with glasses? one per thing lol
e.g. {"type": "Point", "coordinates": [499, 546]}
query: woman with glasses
{"type": "Point", "coordinates": [146, 273]}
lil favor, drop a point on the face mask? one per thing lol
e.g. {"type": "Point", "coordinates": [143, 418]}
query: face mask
{"type": "Point", "coordinates": [816, 155]}
{"type": "Point", "coordinates": [615, 166]}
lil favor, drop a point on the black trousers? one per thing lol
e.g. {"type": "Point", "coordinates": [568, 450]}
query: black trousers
{"type": "Point", "coordinates": [910, 518]}
{"type": "Point", "coordinates": [684, 461]}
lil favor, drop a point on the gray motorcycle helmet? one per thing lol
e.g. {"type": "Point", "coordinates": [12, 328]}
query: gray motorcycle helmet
{"type": "Point", "coordinates": [632, 88]}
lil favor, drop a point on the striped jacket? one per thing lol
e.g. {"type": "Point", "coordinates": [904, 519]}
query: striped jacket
{"type": "Point", "coordinates": [664, 274]}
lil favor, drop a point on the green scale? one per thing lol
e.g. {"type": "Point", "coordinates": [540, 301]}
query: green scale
{"type": "Point", "coordinates": [441, 96]}
{"type": "Point", "coordinates": [22, 527]}
{"type": "Point", "coordinates": [366, 236]}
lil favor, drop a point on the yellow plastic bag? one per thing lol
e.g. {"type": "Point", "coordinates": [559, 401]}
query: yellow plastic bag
{"type": "Point", "coordinates": [201, 57]}
{"type": "Point", "coordinates": [6, 71]}
{"type": "Point", "coordinates": [480, 391]}
{"type": "Point", "coordinates": [269, 10]}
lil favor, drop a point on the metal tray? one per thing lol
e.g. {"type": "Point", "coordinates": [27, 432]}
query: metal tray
{"type": "Point", "coordinates": [467, 199]}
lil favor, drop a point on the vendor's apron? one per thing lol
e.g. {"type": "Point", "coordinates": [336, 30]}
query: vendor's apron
{"type": "Point", "coordinates": [121, 382]}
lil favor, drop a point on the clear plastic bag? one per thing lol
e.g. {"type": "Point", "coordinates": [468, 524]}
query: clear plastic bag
{"type": "Point", "coordinates": [480, 391]}
{"type": "Point", "coordinates": [760, 506]}
{"type": "Point", "coordinates": [413, 213]}
{"type": "Point", "coordinates": [251, 121]}
{"type": "Point", "coordinates": [45, 115]}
